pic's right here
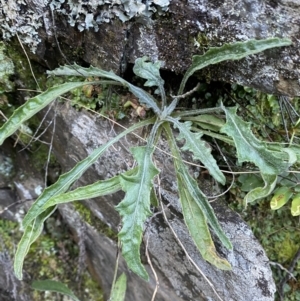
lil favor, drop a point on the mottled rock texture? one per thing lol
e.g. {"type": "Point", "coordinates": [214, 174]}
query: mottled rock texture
{"type": "Point", "coordinates": [77, 134]}
{"type": "Point", "coordinates": [250, 278]}
{"type": "Point", "coordinates": [184, 28]}
{"type": "Point", "coordinates": [112, 35]}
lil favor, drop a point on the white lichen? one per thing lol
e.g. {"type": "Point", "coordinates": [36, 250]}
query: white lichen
{"type": "Point", "coordinates": [6, 70]}
{"type": "Point", "coordinates": [91, 14]}
{"type": "Point", "coordinates": [19, 17]}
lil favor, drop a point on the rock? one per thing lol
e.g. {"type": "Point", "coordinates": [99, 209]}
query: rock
{"type": "Point", "coordinates": [174, 35]}
{"type": "Point", "coordinates": [177, 31]}
{"type": "Point", "coordinates": [251, 277]}
{"type": "Point", "coordinates": [14, 178]}
{"type": "Point", "coordinates": [77, 134]}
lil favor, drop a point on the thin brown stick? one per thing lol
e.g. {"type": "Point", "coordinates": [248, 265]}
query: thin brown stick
{"type": "Point", "coordinates": [50, 146]}
{"type": "Point", "coordinates": [116, 269]}
{"type": "Point", "coordinates": [233, 177]}
{"type": "Point", "coordinates": [14, 204]}
{"type": "Point", "coordinates": [287, 276]}
{"type": "Point", "coordinates": [187, 93]}
{"type": "Point", "coordinates": [28, 60]}
{"type": "Point", "coordinates": [153, 271]}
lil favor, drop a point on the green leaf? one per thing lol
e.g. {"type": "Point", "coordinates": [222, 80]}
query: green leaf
{"type": "Point", "coordinates": [261, 192]}
{"type": "Point", "coordinates": [34, 105]}
{"type": "Point", "coordinates": [281, 197]}
{"type": "Point", "coordinates": [192, 187]}
{"type": "Point", "coordinates": [234, 51]}
{"type": "Point", "coordinates": [223, 138]}
{"type": "Point", "coordinates": [200, 149]}
{"type": "Point", "coordinates": [119, 289]}
{"type": "Point", "coordinates": [250, 181]}
{"type": "Point", "coordinates": [99, 188]}
{"type": "Point", "coordinates": [198, 228]}
{"type": "Point", "coordinates": [249, 148]}
{"type": "Point", "coordinates": [149, 71]}
{"type": "Point", "coordinates": [202, 202]}
{"type": "Point", "coordinates": [295, 208]}
{"type": "Point", "coordinates": [207, 122]}
{"type": "Point", "coordinates": [153, 198]}
{"type": "Point", "coordinates": [296, 150]}
{"type": "Point", "coordinates": [135, 207]}
{"type": "Point", "coordinates": [66, 180]}
{"type": "Point", "coordinates": [75, 70]}
{"type": "Point", "coordinates": [292, 155]}
{"type": "Point", "coordinates": [53, 286]}
{"type": "Point", "coordinates": [31, 233]}
{"type": "Point", "coordinates": [290, 179]}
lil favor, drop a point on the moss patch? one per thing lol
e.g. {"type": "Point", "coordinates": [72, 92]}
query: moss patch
{"type": "Point", "coordinates": [89, 218]}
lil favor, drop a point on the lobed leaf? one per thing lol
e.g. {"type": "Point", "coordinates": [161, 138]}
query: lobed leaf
{"type": "Point", "coordinates": [281, 197]}
{"type": "Point", "coordinates": [198, 228]}
{"type": "Point", "coordinates": [31, 234]}
{"type": "Point", "coordinates": [75, 70]}
{"type": "Point", "coordinates": [200, 149]}
{"type": "Point", "coordinates": [119, 289]}
{"type": "Point", "coordinates": [53, 286]}
{"type": "Point", "coordinates": [66, 180]}
{"type": "Point", "coordinates": [234, 51]}
{"type": "Point", "coordinates": [261, 192]}
{"type": "Point", "coordinates": [135, 207]}
{"type": "Point", "coordinates": [149, 71]}
{"type": "Point", "coordinates": [249, 148]}
{"type": "Point", "coordinates": [295, 208]}
{"type": "Point", "coordinates": [34, 105]}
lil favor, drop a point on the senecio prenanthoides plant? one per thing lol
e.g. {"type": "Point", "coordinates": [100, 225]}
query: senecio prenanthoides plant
{"type": "Point", "coordinates": [271, 159]}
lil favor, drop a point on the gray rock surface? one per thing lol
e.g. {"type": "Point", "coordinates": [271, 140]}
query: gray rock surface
{"type": "Point", "coordinates": [186, 28]}
{"type": "Point", "coordinates": [251, 277]}
{"type": "Point", "coordinates": [173, 35]}
{"type": "Point", "coordinates": [77, 134]}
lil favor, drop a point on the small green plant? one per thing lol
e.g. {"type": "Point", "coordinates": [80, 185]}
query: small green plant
{"type": "Point", "coordinates": [53, 286]}
{"type": "Point", "coordinates": [117, 292]}
{"type": "Point", "coordinates": [270, 159]}
{"type": "Point", "coordinates": [287, 188]}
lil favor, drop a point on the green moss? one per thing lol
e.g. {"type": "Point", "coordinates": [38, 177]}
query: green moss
{"type": "Point", "coordinates": [91, 291]}
{"type": "Point", "coordinates": [89, 218]}
{"type": "Point", "coordinates": [55, 256]}
{"type": "Point", "coordinates": [16, 64]}
{"type": "Point", "coordinates": [6, 70]}
{"type": "Point", "coordinates": [39, 156]}
{"type": "Point", "coordinates": [9, 233]}
{"type": "Point", "coordinates": [278, 233]}
{"type": "Point", "coordinates": [202, 42]}
{"type": "Point", "coordinates": [22, 68]}
{"type": "Point", "coordinates": [103, 98]}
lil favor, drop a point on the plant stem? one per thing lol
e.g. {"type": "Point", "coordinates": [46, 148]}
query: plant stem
{"type": "Point", "coordinates": [197, 112]}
